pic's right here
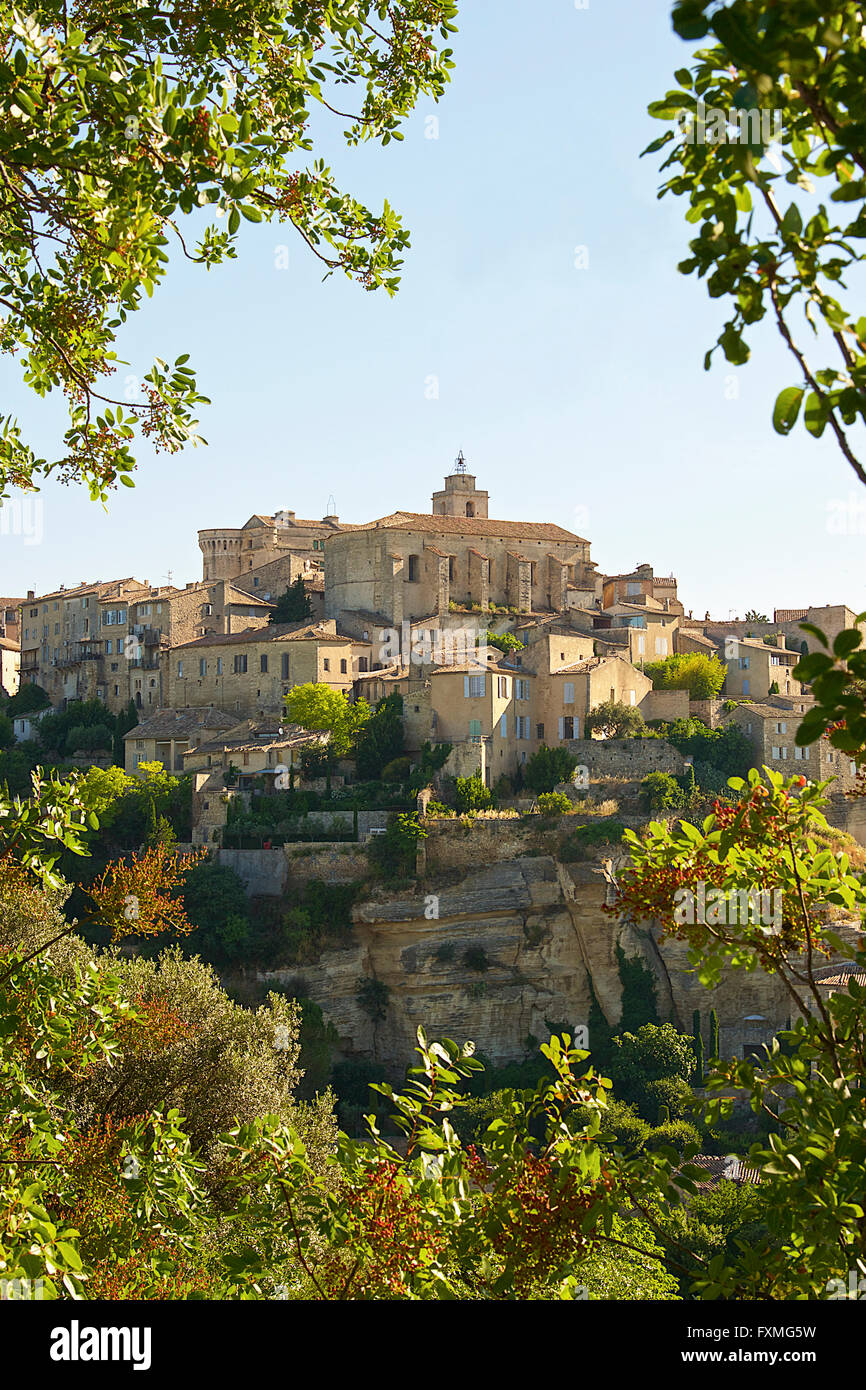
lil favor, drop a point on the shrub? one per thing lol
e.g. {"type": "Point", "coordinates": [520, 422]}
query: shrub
{"type": "Point", "coordinates": [475, 958]}
{"type": "Point", "coordinates": [577, 845]}
{"type": "Point", "coordinates": [678, 1134]}
{"type": "Point", "coordinates": [397, 770]}
{"type": "Point", "coordinates": [554, 803]}
{"type": "Point", "coordinates": [471, 793]}
{"type": "Point", "coordinates": [702, 676]}
{"type": "Point", "coordinates": [373, 997]}
{"type": "Point", "coordinates": [547, 767]}
{"type": "Point", "coordinates": [613, 719]}
{"type": "Point", "coordinates": [661, 792]}
{"type": "Point", "coordinates": [670, 1093]}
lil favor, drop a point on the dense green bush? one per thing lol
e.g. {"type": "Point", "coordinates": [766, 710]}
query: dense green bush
{"type": "Point", "coordinates": [578, 844]}
{"type": "Point", "coordinates": [547, 767]}
{"type": "Point", "coordinates": [678, 1134]}
{"type": "Point", "coordinates": [471, 794]}
{"type": "Point", "coordinates": [554, 804]}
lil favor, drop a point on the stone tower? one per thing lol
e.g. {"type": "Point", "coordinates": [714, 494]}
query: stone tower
{"type": "Point", "coordinates": [460, 497]}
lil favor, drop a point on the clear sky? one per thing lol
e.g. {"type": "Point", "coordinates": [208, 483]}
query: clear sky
{"type": "Point", "coordinates": [577, 395]}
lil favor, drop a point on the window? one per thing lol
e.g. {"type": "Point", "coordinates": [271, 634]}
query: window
{"type": "Point", "coordinates": [343, 666]}
{"type": "Point", "coordinates": [284, 666]}
{"type": "Point", "coordinates": [566, 726]}
{"type": "Point", "coordinates": [641, 642]}
{"type": "Point", "coordinates": [413, 569]}
{"type": "Point", "coordinates": [219, 669]}
{"type": "Point", "coordinates": [781, 727]}
{"type": "Point", "coordinates": [240, 665]}
{"type": "Point", "coordinates": [780, 754]}
{"type": "Point", "coordinates": [108, 647]}
{"type": "Point", "coordinates": [363, 664]}
{"type": "Point", "coordinates": [452, 567]}
{"type": "Point", "coordinates": [139, 743]}
{"type": "Point", "coordinates": [521, 689]}
{"type": "Point", "coordinates": [120, 646]}
{"type": "Point", "coordinates": [801, 755]}
{"type": "Point", "coordinates": [202, 667]}
{"type": "Point", "coordinates": [56, 629]}
{"type": "Point", "coordinates": [473, 686]}
{"type": "Point", "coordinates": [568, 693]}
{"type": "Point", "coordinates": [263, 664]}
{"type": "Point", "coordinates": [180, 668]}
{"type": "Point", "coordinates": [117, 690]}
{"type": "Point", "coordinates": [502, 687]}
{"type": "Point", "coordinates": [474, 728]}
{"type": "Point", "coordinates": [661, 646]}
{"type": "Point", "coordinates": [521, 726]}
{"type": "Point", "coordinates": [539, 731]}
{"type": "Point", "coordinates": [743, 662]}
{"type": "Point", "coordinates": [326, 663]}
{"type": "Point", "coordinates": [632, 589]}
{"type": "Point", "coordinates": [503, 726]}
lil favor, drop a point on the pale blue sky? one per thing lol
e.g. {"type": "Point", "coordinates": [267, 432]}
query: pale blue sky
{"type": "Point", "coordinates": [577, 395]}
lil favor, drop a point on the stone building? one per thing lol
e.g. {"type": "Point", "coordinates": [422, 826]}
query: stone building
{"type": "Point", "coordinates": [168, 733]}
{"type": "Point", "coordinates": [228, 552]}
{"type": "Point", "coordinates": [10, 661]}
{"type": "Point", "coordinates": [249, 672]}
{"type": "Point", "coordinates": [415, 566]}
{"type": "Point", "coordinates": [753, 667]}
{"type": "Point", "coordinates": [640, 587]}
{"type": "Point", "coordinates": [771, 726]}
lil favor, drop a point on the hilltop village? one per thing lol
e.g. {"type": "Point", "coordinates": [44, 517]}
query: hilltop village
{"type": "Point", "coordinates": [491, 646]}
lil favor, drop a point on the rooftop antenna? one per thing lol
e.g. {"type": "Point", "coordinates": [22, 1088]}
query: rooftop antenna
{"type": "Point", "coordinates": [332, 506]}
{"type": "Point", "coordinates": [460, 463]}
{"type": "Point", "coordinates": [168, 577]}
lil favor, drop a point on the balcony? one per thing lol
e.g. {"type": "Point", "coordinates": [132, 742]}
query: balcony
{"type": "Point", "coordinates": [78, 652]}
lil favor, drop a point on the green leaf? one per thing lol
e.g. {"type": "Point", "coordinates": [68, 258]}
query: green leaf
{"type": "Point", "coordinates": [787, 408]}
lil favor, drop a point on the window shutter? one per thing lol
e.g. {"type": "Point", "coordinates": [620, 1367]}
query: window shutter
{"type": "Point", "coordinates": [561, 728]}
{"type": "Point", "coordinates": [466, 687]}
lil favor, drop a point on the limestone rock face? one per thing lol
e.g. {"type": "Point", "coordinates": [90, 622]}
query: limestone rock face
{"type": "Point", "coordinates": [510, 951]}
{"type": "Point", "coordinates": [507, 956]}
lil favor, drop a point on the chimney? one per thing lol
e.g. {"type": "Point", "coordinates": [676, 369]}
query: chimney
{"type": "Point", "coordinates": [31, 593]}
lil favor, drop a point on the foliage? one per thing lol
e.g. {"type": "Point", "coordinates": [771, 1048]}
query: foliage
{"type": "Point", "coordinates": [294, 605]}
{"type": "Point", "coordinates": [752, 616]}
{"type": "Point", "coordinates": [661, 792]}
{"type": "Point", "coordinates": [678, 1134]}
{"type": "Point", "coordinates": [394, 852]}
{"type": "Point", "coordinates": [373, 997]}
{"type": "Point", "coordinates": [702, 676]}
{"type": "Point", "coordinates": [471, 794]}
{"type": "Point", "coordinates": [118, 124]}
{"type": "Point", "coordinates": [726, 748]}
{"type": "Point", "coordinates": [476, 958]}
{"type": "Point", "coordinates": [547, 767]}
{"type": "Point", "coordinates": [799, 65]}
{"type": "Point", "coordinates": [639, 997]}
{"type": "Point", "coordinates": [554, 804]}
{"type": "Point", "coordinates": [433, 759]}
{"type": "Point", "coordinates": [64, 732]}
{"type": "Point", "coordinates": [613, 719]}
{"type": "Point", "coordinates": [323, 710]}
{"type": "Point", "coordinates": [653, 1052]}
{"type": "Point", "coordinates": [382, 738]}
{"type": "Point", "coordinates": [505, 641]}
{"type": "Point", "coordinates": [579, 843]}
{"type": "Point", "coordinates": [28, 699]}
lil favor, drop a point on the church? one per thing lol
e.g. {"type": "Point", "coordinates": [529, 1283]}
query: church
{"type": "Point", "coordinates": [415, 565]}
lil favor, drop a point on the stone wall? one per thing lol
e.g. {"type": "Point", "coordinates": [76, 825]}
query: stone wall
{"type": "Point", "coordinates": [625, 757]}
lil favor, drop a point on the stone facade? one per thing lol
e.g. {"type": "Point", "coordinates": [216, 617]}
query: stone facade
{"type": "Point", "coordinates": [228, 552]}
{"type": "Point", "coordinates": [249, 672]}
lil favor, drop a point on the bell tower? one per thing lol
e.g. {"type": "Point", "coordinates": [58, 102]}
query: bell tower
{"type": "Point", "coordinates": [460, 496]}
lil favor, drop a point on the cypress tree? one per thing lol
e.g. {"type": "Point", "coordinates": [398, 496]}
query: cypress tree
{"type": "Point", "coordinates": [714, 1036]}
{"type": "Point", "coordinates": [699, 1048]}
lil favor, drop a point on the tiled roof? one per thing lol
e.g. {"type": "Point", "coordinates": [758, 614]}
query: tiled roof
{"type": "Point", "coordinates": [842, 979]}
{"type": "Point", "coordinates": [170, 723]}
{"type": "Point", "coordinates": [97, 587]}
{"type": "Point", "coordinates": [468, 526]}
{"type": "Point", "coordinates": [257, 740]}
{"type": "Point", "coordinates": [726, 1166]}
{"type": "Point", "coordinates": [235, 595]}
{"type": "Point", "coordinates": [274, 632]}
